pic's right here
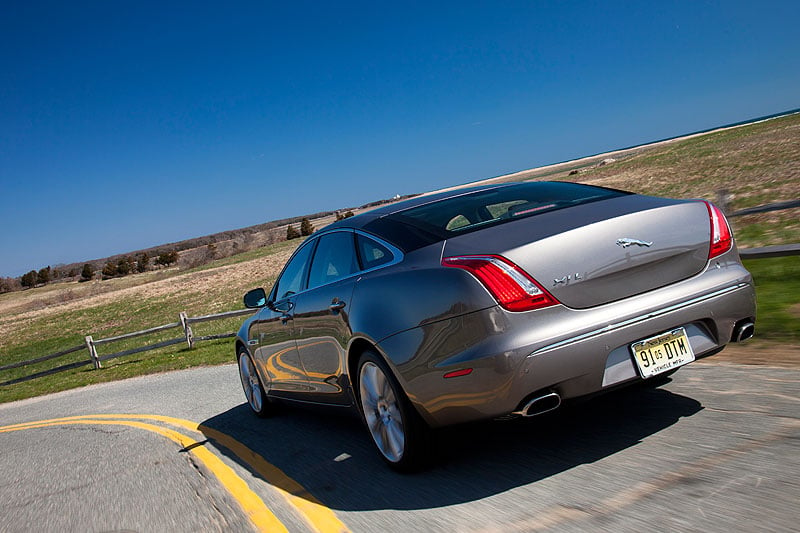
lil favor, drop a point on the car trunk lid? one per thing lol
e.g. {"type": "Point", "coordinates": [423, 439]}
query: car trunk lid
{"type": "Point", "coordinates": [593, 254]}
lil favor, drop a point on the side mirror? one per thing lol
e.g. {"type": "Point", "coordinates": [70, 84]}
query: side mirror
{"type": "Point", "coordinates": [255, 298]}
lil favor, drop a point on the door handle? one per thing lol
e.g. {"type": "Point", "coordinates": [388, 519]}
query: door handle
{"type": "Point", "coordinates": [337, 305]}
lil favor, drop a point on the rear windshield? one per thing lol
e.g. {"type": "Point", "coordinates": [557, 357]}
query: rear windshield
{"type": "Point", "coordinates": [472, 211]}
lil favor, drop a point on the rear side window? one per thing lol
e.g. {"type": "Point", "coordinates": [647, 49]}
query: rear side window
{"type": "Point", "coordinates": [373, 254]}
{"type": "Point", "coordinates": [334, 259]}
{"type": "Point", "coordinates": [407, 237]}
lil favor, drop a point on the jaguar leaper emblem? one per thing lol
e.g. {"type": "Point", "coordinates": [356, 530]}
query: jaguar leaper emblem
{"type": "Point", "coordinates": [625, 242]}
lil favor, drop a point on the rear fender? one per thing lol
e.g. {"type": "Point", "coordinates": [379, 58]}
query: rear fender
{"type": "Point", "coordinates": [418, 292]}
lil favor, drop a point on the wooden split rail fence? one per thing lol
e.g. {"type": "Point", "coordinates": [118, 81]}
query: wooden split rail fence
{"type": "Point", "coordinates": [90, 345]}
{"type": "Point", "coordinates": [781, 250]}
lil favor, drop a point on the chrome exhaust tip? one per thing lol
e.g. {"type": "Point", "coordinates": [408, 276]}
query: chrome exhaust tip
{"type": "Point", "coordinates": [540, 405]}
{"type": "Point", "coordinates": [743, 331]}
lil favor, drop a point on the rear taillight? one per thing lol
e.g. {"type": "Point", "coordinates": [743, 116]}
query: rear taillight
{"type": "Point", "coordinates": [511, 286]}
{"type": "Point", "coordinates": [721, 238]}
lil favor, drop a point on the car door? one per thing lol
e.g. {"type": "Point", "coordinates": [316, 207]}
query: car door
{"type": "Point", "coordinates": [321, 325]}
{"type": "Point", "coordinates": [272, 333]}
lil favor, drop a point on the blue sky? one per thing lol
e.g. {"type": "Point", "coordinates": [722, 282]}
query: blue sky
{"type": "Point", "coordinates": [125, 125]}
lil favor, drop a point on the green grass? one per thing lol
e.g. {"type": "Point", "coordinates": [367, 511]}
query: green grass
{"type": "Point", "coordinates": [170, 358]}
{"type": "Point", "coordinates": [765, 231]}
{"type": "Point", "coordinates": [777, 282]}
{"type": "Point", "coordinates": [162, 360]}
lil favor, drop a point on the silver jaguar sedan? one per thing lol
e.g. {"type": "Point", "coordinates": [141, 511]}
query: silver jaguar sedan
{"type": "Point", "coordinates": [492, 301]}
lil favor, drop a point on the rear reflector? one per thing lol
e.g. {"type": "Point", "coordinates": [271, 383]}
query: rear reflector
{"type": "Point", "coordinates": [458, 373]}
{"type": "Point", "coordinates": [511, 286]}
{"type": "Point", "coordinates": [721, 238]}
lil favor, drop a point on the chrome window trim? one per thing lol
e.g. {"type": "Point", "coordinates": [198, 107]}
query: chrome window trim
{"type": "Point", "coordinates": [637, 319]}
{"type": "Point", "coordinates": [311, 241]}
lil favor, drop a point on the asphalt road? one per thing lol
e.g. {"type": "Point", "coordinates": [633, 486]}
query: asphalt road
{"type": "Point", "coordinates": [715, 449]}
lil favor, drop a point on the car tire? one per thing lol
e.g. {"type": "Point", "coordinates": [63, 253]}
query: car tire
{"type": "Point", "coordinates": [253, 388]}
{"type": "Point", "coordinates": [398, 432]}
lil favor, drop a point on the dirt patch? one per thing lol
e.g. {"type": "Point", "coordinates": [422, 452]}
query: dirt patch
{"type": "Point", "coordinates": [782, 355]}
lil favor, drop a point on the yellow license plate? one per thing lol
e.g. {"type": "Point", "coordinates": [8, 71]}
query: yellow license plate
{"type": "Point", "coordinates": [662, 353]}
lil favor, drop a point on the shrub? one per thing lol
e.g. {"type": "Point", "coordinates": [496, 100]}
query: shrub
{"type": "Point", "coordinates": [10, 285]}
{"type": "Point", "coordinates": [167, 258]}
{"type": "Point", "coordinates": [110, 270]}
{"type": "Point", "coordinates": [123, 267]}
{"type": "Point", "coordinates": [291, 233]}
{"type": "Point", "coordinates": [29, 279]}
{"type": "Point", "coordinates": [142, 262]}
{"type": "Point", "coordinates": [87, 272]}
{"type": "Point", "coordinates": [306, 228]}
{"type": "Point", "coordinates": [43, 276]}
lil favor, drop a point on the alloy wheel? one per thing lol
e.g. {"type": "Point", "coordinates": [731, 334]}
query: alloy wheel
{"type": "Point", "coordinates": [250, 383]}
{"type": "Point", "coordinates": [382, 413]}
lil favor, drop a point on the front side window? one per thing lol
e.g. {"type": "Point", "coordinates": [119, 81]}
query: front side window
{"type": "Point", "coordinates": [334, 259]}
{"type": "Point", "coordinates": [293, 277]}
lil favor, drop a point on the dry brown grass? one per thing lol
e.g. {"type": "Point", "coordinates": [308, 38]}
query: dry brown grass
{"type": "Point", "coordinates": [756, 164]}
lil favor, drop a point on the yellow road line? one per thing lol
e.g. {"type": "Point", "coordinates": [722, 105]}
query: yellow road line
{"type": "Point", "coordinates": [318, 516]}
{"type": "Point", "coordinates": [253, 506]}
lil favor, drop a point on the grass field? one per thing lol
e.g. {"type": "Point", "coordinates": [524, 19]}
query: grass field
{"type": "Point", "coordinates": [777, 283]}
{"type": "Point", "coordinates": [758, 163]}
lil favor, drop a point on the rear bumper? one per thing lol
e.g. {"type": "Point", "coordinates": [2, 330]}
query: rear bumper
{"type": "Point", "coordinates": [571, 352]}
{"type": "Point", "coordinates": [600, 359]}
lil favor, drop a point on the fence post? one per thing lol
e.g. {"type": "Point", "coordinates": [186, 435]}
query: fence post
{"type": "Point", "coordinates": [93, 352]}
{"type": "Point", "coordinates": [724, 200]}
{"type": "Point", "coordinates": [187, 330]}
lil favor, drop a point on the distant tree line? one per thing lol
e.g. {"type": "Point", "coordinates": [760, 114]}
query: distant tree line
{"type": "Point", "coordinates": [112, 269]}
{"type": "Point", "coordinates": [203, 250]}
{"type": "Point", "coordinates": [130, 265]}
{"type": "Point", "coordinates": [34, 278]}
